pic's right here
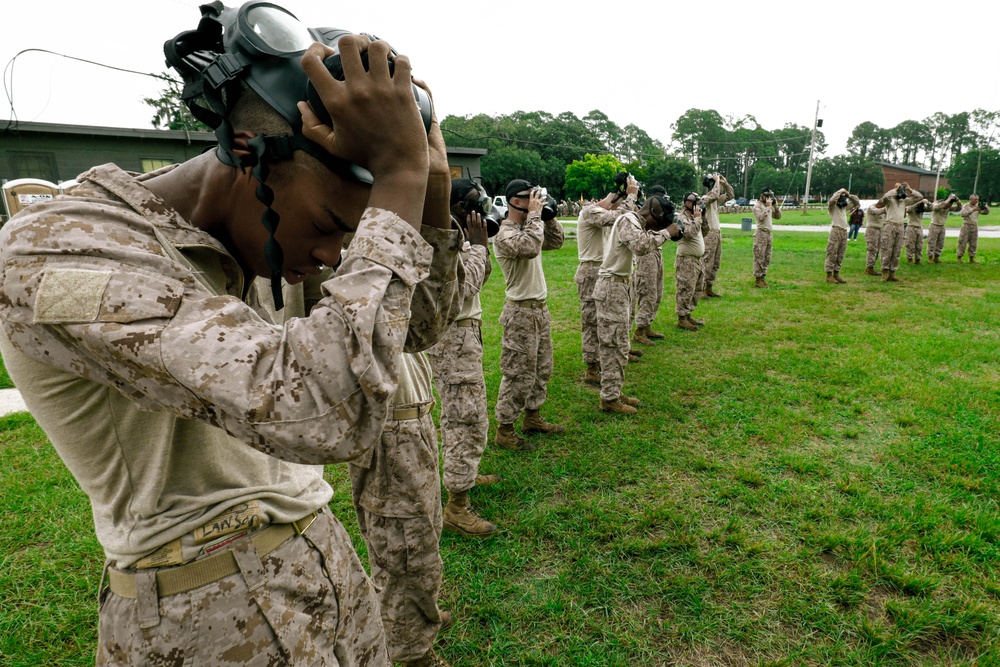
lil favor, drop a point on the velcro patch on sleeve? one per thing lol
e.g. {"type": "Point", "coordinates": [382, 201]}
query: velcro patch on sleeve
{"type": "Point", "coordinates": [70, 295]}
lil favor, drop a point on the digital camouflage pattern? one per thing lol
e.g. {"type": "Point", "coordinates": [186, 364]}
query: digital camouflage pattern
{"type": "Point", "coordinates": [614, 322]}
{"type": "Point", "coordinates": [228, 625]}
{"type": "Point", "coordinates": [712, 259]}
{"type": "Point", "coordinates": [457, 361]}
{"type": "Point", "coordinates": [764, 214]}
{"type": "Point", "coordinates": [690, 276]}
{"type": "Point", "coordinates": [525, 360]}
{"type": "Point", "coordinates": [891, 245]}
{"type": "Point", "coordinates": [939, 219]}
{"type": "Point", "coordinates": [873, 235]}
{"type": "Point", "coordinates": [913, 236]}
{"type": "Point", "coordinates": [111, 289]}
{"type": "Point", "coordinates": [586, 279]}
{"type": "Point", "coordinates": [836, 246]}
{"type": "Point", "coordinates": [968, 235]}
{"type": "Point", "coordinates": [648, 287]}
{"type": "Point", "coordinates": [397, 496]}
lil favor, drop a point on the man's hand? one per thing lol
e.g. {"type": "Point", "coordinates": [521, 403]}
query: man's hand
{"type": "Point", "coordinates": [632, 186]}
{"type": "Point", "coordinates": [535, 200]}
{"type": "Point", "coordinates": [376, 123]}
{"type": "Point", "coordinates": [476, 229]}
{"type": "Point", "coordinates": [438, 200]}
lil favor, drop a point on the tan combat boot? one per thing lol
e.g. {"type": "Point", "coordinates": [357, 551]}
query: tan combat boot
{"type": "Point", "coordinates": [459, 517]}
{"type": "Point", "coordinates": [618, 407]}
{"type": "Point", "coordinates": [916, 261]}
{"type": "Point", "coordinates": [629, 400]}
{"type": "Point", "coordinates": [488, 480]}
{"type": "Point", "coordinates": [534, 423]}
{"type": "Point", "coordinates": [836, 276]}
{"type": "Point", "coordinates": [885, 275]}
{"type": "Point", "coordinates": [508, 438]}
{"type": "Point", "coordinates": [972, 260]}
{"type": "Point", "coordinates": [592, 375]}
{"type": "Point", "coordinates": [759, 282]}
{"type": "Point", "coordinates": [684, 323]}
{"type": "Point", "coordinates": [697, 323]}
{"type": "Point", "coordinates": [892, 277]}
{"type": "Point", "coordinates": [710, 293]}
{"type": "Point", "coordinates": [430, 659]}
{"type": "Point", "coordinates": [909, 260]}
{"type": "Point", "coordinates": [653, 335]}
{"type": "Point", "coordinates": [636, 353]}
{"type": "Point", "coordinates": [869, 271]}
{"type": "Point", "coordinates": [640, 336]}
{"type": "Point", "coordinates": [633, 358]}
{"type": "Point", "coordinates": [829, 278]}
{"type": "Point", "coordinates": [959, 260]}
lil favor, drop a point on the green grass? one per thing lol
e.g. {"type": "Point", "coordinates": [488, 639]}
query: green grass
{"type": "Point", "coordinates": [812, 480]}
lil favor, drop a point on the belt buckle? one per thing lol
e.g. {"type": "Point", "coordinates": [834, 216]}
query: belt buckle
{"type": "Point", "coordinates": [299, 531]}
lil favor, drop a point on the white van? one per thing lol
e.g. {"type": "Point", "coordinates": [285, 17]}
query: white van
{"type": "Point", "coordinates": [500, 203]}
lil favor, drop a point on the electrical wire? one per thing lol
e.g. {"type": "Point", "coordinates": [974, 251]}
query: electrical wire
{"type": "Point", "coordinates": [8, 89]}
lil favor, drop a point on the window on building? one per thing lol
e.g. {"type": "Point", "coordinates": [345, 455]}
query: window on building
{"type": "Point", "coordinates": [34, 165]}
{"type": "Point", "coordinates": [456, 172]}
{"type": "Point", "coordinates": [152, 164]}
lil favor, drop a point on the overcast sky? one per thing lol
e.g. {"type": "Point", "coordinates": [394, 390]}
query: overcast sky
{"type": "Point", "coordinates": [637, 64]}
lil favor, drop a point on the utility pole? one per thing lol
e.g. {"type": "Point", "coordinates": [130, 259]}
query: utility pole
{"type": "Point", "coordinates": [812, 150]}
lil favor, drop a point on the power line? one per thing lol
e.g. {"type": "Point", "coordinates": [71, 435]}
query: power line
{"type": "Point", "coordinates": [9, 89]}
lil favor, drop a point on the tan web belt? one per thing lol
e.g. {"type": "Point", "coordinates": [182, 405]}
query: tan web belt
{"type": "Point", "coordinates": [403, 414]}
{"type": "Point", "coordinates": [528, 303]}
{"type": "Point", "coordinates": [470, 322]}
{"type": "Point", "coordinates": [175, 580]}
{"type": "Point", "coordinates": [620, 279]}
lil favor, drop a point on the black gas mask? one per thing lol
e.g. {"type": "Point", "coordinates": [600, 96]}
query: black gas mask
{"type": "Point", "coordinates": [260, 45]}
{"type": "Point", "coordinates": [708, 181]}
{"type": "Point", "coordinates": [842, 201]}
{"type": "Point", "coordinates": [900, 192]}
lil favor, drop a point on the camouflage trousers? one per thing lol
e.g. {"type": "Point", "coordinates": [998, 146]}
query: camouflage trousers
{"type": "Point", "coordinates": [397, 496]}
{"type": "Point", "coordinates": [761, 252]}
{"type": "Point", "coordinates": [712, 259]}
{"type": "Point", "coordinates": [647, 287]}
{"type": "Point", "coordinates": [525, 359]}
{"type": "Point", "coordinates": [457, 362]}
{"type": "Point", "coordinates": [690, 275]}
{"type": "Point", "coordinates": [968, 235]}
{"type": "Point", "coordinates": [614, 321]}
{"type": "Point", "coordinates": [935, 241]}
{"type": "Point", "coordinates": [586, 278]}
{"type": "Point", "coordinates": [913, 241]}
{"type": "Point", "coordinates": [836, 246]}
{"type": "Point", "coordinates": [873, 243]}
{"type": "Point", "coordinates": [891, 246]}
{"type": "Point", "coordinates": [308, 602]}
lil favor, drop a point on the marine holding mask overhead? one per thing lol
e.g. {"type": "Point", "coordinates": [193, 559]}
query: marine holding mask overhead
{"type": "Point", "coordinates": [191, 411]}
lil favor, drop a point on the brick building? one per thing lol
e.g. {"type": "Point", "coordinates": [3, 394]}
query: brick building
{"type": "Point", "coordinates": [919, 179]}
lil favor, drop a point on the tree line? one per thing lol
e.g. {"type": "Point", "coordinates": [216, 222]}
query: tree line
{"type": "Point", "coordinates": [577, 157]}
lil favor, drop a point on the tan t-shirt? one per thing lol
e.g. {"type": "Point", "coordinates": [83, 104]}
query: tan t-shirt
{"type": "Point", "coordinates": [593, 227]}
{"type": "Point", "coordinates": [518, 250]}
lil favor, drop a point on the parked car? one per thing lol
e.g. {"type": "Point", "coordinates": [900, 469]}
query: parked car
{"type": "Point", "coordinates": [753, 202]}
{"type": "Point", "coordinates": [788, 203]}
{"type": "Point", "coordinates": [742, 202]}
{"type": "Point", "coordinates": [500, 203]}
{"type": "Point", "coordinates": [731, 202]}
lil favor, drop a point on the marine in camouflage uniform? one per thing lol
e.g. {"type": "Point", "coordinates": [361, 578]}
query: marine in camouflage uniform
{"type": "Point", "coordinates": [648, 289]}
{"type": "Point", "coordinates": [689, 269]}
{"type": "Point", "coordinates": [526, 344]}
{"type": "Point", "coordinates": [968, 235]}
{"type": "Point", "coordinates": [913, 237]}
{"type": "Point", "coordinates": [457, 362]}
{"type": "Point", "coordinates": [628, 238]}
{"type": "Point", "coordinates": [720, 191]}
{"type": "Point", "coordinates": [764, 211]}
{"type": "Point", "coordinates": [939, 221]}
{"type": "Point", "coordinates": [873, 236]}
{"type": "Point", "coordinates": [593, 227]}
{"type": "Point", "coordinates": [192, 451]}
{"type": "Point", "coordinates": [892, 231]}
{"type": "Point", "coordinates": [840, 205]}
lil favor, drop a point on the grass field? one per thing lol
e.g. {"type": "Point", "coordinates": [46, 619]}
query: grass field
{"type": "Point", "coordinates": [812, 480]}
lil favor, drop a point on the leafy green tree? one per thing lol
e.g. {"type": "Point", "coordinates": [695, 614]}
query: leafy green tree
{"type": "Point", "coordinates": [962, 174]}
{"type": "Point", "coordinates": [504, 164]}
{"type": "Point", "coordinates": [677, 175]}
{"type": "Point", "coordinates": [592, 177]}
{"type": "Point", "coordinates": [911, 140]}
{"type": "Point", "coordinates": [170, 112]}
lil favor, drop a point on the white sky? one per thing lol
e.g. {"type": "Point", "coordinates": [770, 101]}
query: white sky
{"type": "Point", "coordinates": [637, 62]}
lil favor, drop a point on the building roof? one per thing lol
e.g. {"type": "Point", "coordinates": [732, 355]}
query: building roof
{"type": "Point", "coordinates": [906, 167]}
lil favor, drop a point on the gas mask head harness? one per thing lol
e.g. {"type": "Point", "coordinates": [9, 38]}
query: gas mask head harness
{"type": "Point", "coordinates": [260, 46]}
